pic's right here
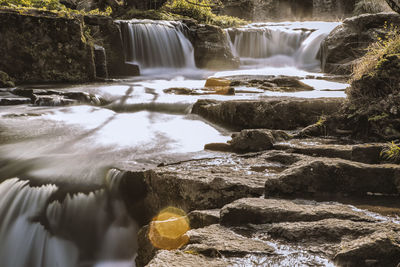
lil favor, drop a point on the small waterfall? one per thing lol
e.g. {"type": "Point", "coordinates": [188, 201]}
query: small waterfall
{"type": "Point", "coordinates": [294, 44]}
{"type": "Point", "coordinates": [157, 44]}
{"type": "Point", "coordinates": [79, 230]}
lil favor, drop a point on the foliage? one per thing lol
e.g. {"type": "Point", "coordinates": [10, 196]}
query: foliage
{"type": "Point", "coordinates": [371, 6]}
{"type": "Point", "coordinates": [44, 4]}
{"type": "Point", "coordinates": [201, 11]}
{"type": "Point", "coordinates": [391, 153]}
{"type": "Point", "coordinates": [149, 14]}
{"type": "Point", "coordinates": [50, 5]}
{"type": "Point", "coordinates": [374, 58]}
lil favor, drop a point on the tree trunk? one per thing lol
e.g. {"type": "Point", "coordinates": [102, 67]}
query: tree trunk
{"type": "Point", "coordinates": [394, 4]}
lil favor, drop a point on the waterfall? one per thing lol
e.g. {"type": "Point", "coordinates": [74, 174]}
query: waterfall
{"type": "Point", "coordinates": [294, 44]}
{"type": "Point", "coordinates": [157, 44]}
{"type": "Point", "coordinates": [78, 230]}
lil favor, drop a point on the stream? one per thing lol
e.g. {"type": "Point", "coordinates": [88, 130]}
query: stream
{"type": "Point", "coordinates": [63, 209]}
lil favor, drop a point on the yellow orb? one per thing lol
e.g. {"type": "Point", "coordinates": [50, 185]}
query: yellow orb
{"type": "Point", "coordinates": [168, 229]}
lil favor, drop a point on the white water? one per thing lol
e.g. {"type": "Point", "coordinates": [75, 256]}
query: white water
{"type": "Point", "coordinates": [80, 230]}
{"type": "Point", "coordinates": [285, 44]}
{"type": "Point", "coordinates": [157, 44]}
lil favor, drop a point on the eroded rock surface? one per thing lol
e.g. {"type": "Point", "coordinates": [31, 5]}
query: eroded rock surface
{"type": "Point", "coordinates": [283, 113]}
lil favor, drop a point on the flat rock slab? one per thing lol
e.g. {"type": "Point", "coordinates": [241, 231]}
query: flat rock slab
{"type": "Point", "coordinates": [318, 147]}
{"type": "Point", "coordinates": [262, 211]}
{"type": "Point", "coordinates": [282, 113]}
{"type": "Point", "coordinates": [216, 240]}
{"type": "Point", "coordinates": [326, 177]}
{"type": "Point", "coordinates": [179, 258]}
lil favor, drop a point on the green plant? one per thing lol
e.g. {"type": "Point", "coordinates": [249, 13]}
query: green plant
{"type": "Point", "coordinates": [44, 4]}
{"type": "Point", "coordinates": [378, 117]}
{"type": "Point", "coordinates": [389, 44]}
{"type": "Point", "coordinates": [200, 10]}
{"type": "Point", "coordinates": [391, 153]}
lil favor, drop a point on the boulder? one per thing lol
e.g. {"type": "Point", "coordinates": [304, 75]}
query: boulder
{"type": "Point", "coordinates": [282, 113]}
{"type": "Point", "coordinates": [211, 48]}
{"type": "Point", "coordinates": [348, 42]}
{"type": "Point", "coordinates": [335, 177]}
{"type": "Point", "coordinates": [255, 140]}
{"type": "Point", "coordinates": [60, 52]}
{"type": "Point", "coordinates": [378, 249]}
{"type": "Point", "coordinates": [263, 211]}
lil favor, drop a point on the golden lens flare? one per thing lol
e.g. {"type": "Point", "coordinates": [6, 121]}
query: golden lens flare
{"type": "Point", "coordinates": [168, 229]}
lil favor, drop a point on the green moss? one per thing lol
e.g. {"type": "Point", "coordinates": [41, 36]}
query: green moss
{"type": "Point", "coordinates": [378, 117]}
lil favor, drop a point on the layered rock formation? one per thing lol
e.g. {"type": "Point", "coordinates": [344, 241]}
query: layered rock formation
{"type": "Point", "coordinates": [45, 47]}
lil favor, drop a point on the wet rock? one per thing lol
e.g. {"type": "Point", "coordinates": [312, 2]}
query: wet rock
{"type": "Point", "coordinates": [271, 83]}
{"type": "Point", "coordinates": [129, 69]}
{"type": "Point", "coordinates": [57, 98]}
{"type": "Point", "coordinates": [180, 91]}
{"type": "Point", "coordinates": [100, 60]}
{"type": "Point", "coordinates": [211, 48]}
{"type": "Point", "coordinates": [271, 113]}
{"type": "Point", "coordinates": [5, 80]}
{"type": "Point", "coordinates": [203, 218]}
{"type": "Point", "coordinates": [215, 240]}
{"type": "Point", "coordinates": [255, 140]}
{"type": "Point", "coordinates": [223, 147]}
{"type": "Point", "coordinates": [335, 176]}
{"type": "Point", "coordinates": [146, 250]}
{"type": "Point", "coordinates": [378, 249]}
{"type": "Point", "coordinates": [348, 42]}
{"type": "Point", "coordinates": [181, 258]}
{"type": "Point", "coordinates": [52, 100]}
{"type": "Point", "coordinates": [321, 231]}
{"type": "Point", "coordinates": [9, 101]}
{"type": "Point", "coordinates": [290, 84]}
{"type": "Point", "coordinates": [196, 185]}
{"type": "Point", "coordinates": [217, 82]}
{"type": "Point", "coordinates": [262, 211]}
{"type": "Point", "coordinates": [317, 148]}
{"type": "Point", "coordinates": [60, 53]}
{"type": "Point", "coordinates": [108, 35]}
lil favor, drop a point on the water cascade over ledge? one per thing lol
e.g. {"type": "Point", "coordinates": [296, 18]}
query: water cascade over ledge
{"type": "Point", "coordinates": [295, 44]}
{"type": "Point", "coordinates": [157, 44]}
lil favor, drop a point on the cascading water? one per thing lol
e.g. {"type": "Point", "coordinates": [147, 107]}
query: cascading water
{"type": "Point", "coordinates": [157, 44]}
{"type": "Point", "coordinates": [295, 44]}
{"type": "Point", "coordinates": [79, 230]}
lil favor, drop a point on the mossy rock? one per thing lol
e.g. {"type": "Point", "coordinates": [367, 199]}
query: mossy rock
{"type": "Point", "coordinates": [5, 80]}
